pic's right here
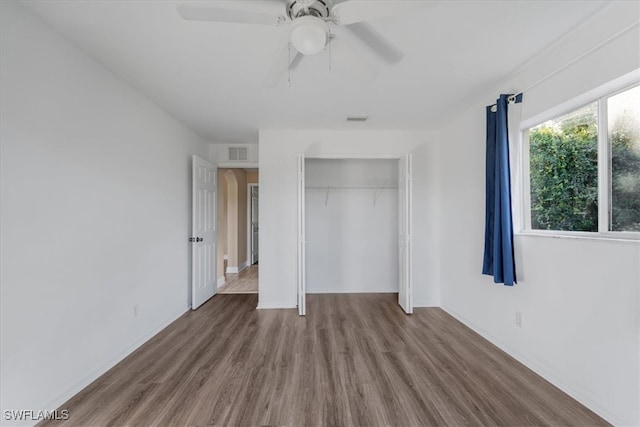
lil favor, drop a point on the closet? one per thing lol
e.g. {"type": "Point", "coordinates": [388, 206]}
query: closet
{"type": "Point", "coordinates": [353, 234]}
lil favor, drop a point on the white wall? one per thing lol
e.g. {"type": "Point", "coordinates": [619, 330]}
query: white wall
{"type": "Point", "coordinates": [352, 243]}
{"type": "Point", "coordinates": [95, 216]}
{"type": "Point", "coordinates": [579, 297]}
{"type": "Point", "coordinates": [278, 203]}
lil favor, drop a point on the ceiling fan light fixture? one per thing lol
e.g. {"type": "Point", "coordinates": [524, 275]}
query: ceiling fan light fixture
{"type": "Point", "coordinates": [309, 34]}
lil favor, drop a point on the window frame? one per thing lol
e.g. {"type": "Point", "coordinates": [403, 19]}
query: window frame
{"type": "Point", "coordinates": [599, 95]}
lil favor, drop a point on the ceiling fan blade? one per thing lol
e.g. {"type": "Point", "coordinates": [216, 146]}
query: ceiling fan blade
{"type": "Point", "coordinates": [352, 11]}
{"type": "Point", "coordinates": [376, 42]}
{"type": "Point", "coordinates": [287, 58]}
{"type": "Point", "coordinates": [212, 14]}
{"type": "Point", "coordinates": [348, 60]}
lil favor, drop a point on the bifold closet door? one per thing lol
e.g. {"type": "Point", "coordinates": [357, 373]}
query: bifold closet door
{"type": "Point", "coordinates": [404, 235]}
{"type": "Point", "coordinates": [301, 278]}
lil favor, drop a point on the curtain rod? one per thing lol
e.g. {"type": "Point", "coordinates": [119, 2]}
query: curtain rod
{"type": "Point", "coordinates": [511, 99]}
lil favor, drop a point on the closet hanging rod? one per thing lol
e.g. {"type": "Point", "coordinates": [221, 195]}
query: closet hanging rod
{"type": "Point", "coordinates": [357, 187]}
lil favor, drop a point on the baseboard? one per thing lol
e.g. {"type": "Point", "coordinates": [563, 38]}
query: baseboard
{"type": "Point", "coordinates": [95, 374]}
{"type": "Point", "coordinates": [243, 266]}
{"type": "Point", "coordinates": [232, 270]}
{"type": "Point", "coordinates": [348, 291]}
{"type": "Point", "coordinates": [227, 292]}
{"type": "Point", "coordinates": [426, 305]}
{"type": "Point", "coordinates": [275, 306]}
{"type": "Point", "coordinates": [570, 389]}
{"type": "Point", "coordinates": [221, 281]}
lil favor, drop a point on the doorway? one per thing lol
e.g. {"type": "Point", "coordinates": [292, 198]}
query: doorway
{"type": "Point", "coordinates": [235, 255]}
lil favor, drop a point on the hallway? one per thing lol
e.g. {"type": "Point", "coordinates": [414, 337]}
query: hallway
{"type": "Point", "coordinates": [245, 282]}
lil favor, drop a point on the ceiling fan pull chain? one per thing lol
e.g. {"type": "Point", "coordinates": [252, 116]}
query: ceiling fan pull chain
{"type": "Point", "coordinates": [289, 67]}
{"type": "Point", "coordinates": [330, 56]}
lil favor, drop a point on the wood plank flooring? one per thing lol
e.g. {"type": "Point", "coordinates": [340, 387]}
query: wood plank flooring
{"type": "Point", "coordinates": [245, 282]}
{"type": "Point", "coordinates": [354, 360]}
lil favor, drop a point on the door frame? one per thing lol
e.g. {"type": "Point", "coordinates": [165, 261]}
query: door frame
{"type": "Point", "coordinates": [249, 229]}
{"type": "Point", "coordinates": [301, 262]}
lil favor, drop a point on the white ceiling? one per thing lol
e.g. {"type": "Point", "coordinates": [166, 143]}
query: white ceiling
{"type": "Point", "coordinates": [209, 75]}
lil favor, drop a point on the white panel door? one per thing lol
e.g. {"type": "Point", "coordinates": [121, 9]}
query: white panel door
{"type": "Point", "coordinates": [405, 291]}
{"type": "Point", "coordinates": [302, 287]}
{"type": "Point", "coordinates": [203, 238]}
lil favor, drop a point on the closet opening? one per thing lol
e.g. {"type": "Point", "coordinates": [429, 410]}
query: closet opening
{"type": "Point", "coordinates": [354, 227]}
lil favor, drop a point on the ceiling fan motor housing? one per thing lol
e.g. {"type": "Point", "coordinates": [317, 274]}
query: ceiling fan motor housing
{"type": "Point", "coordinates": [317, 8]}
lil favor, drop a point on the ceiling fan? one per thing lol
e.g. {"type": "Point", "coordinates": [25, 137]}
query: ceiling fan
{"type": "Point", "coordinates": [311, 23]}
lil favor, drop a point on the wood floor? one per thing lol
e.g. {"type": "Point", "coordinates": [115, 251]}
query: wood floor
{"type": "Point", "coordinates": [353, 360]}
{"type": "Point", "coordinates": [246, 282]}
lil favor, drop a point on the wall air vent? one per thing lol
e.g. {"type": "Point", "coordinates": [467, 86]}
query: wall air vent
{"type": "Point", "coordinates": [238, 154]}
{"type": "Point", "coordinates": [357, 118]}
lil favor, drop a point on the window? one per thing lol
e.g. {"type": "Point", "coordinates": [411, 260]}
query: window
{"type": "Point", "coordinates": [584, 167]}
{"type": "Point", "coordinates": [624, 151]}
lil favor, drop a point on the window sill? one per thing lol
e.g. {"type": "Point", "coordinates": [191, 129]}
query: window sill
{"type": "Point", "coordinates": [625, 237]}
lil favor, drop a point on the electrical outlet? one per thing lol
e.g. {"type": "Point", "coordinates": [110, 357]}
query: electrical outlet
{"type": "Point", "coordinates": [518, 319]}
{"type": "Point", "coordinates": [136, 310]}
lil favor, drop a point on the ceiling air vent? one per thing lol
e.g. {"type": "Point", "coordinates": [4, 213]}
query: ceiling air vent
{"type": "Point", "coordinates": [362, 118]}
{"type": "Point", "coordinates": [238, 154]}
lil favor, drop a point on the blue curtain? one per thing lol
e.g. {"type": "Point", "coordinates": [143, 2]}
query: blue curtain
{"type": "Point", "coordinates": [499, 259]}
